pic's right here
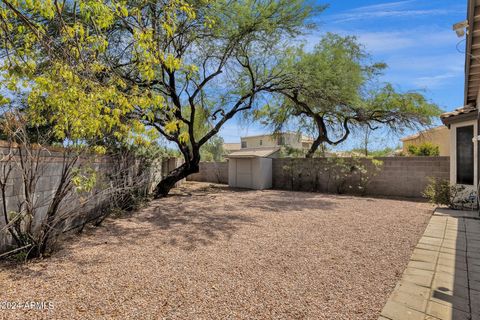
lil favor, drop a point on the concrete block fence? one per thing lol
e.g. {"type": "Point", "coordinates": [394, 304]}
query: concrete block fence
{"type": "Point", "coordinates": [215, 172]}
{"type": "Point", "coordinates": [398, 176]}
{"type": "Point", "coordinates": [81, 207]}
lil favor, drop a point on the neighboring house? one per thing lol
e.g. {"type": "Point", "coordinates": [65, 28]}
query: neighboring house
{"type": "Point", "coordinates": [439, 136]}
{"type": "Point", "coordinates": [286, 139]}
{"type": "Point", "coordinates": [231, 147]}
{"type": "Point", "coordinates": [464, 122]}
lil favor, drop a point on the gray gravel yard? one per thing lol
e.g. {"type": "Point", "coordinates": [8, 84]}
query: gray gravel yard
{"type": "Point", "coordinates": [208, 252]}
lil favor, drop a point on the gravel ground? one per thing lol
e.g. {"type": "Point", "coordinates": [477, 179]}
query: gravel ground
{"type": "Point", "coordinates": [212, 253]}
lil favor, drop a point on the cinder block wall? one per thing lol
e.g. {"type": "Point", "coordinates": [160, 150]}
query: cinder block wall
{"type": "Point", "coordinates": [214, 172]}
{"type": "Point", "coordinates": [398, 176]}
{"type": "Point", "coordinates": [408, 177]}
{"type": "Point", "coordinates": [77, 207]}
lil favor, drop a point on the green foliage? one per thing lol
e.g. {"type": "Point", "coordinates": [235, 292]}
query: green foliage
{"type": "Point", "coordinates": [148, 153]}
{"type": "Point", "coordinates": [21, 256]}
{"type": "Point", "coordinates": [426, 149]}
{"type": "Point", "coordinates": [334, 90]}
{"type": "Point", "coordinates": [289, 152]}
{"type": "Point", "coordinates": [411, 108]}
{"type": "Point", "coordinates": [84, 179]}
{"type": "Point", "coordinates": [213, 150]}
{"type": "Point", "coordinates": [386, 152]}
{"type": "Point", "coordinates": [439, 192]}
{"type": "Point", "coordinates": [64, 63]}
{"type": "Point", "coordinates": [164, 152]}
{"type": "Point", "coordinates": [352, 174]}
{"type": "Point", "coordinates": [135, 70]}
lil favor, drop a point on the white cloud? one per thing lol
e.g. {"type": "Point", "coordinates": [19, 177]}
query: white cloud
{"type": "Point", "coordinates": [360, 15]}
{"type": "Point", "coordinates": [385, 6]}
{"type": "Point", "coordinates": [382, 42]}
{"type": "Point", "coordinates": [435, 81]}
{"type": "Point", "coordinates": [421, 58]}
{"type": "Point", "coordinates": [398, 9]}
{"type": "Point", "coordinates": [426, 72]}
{"type": "Point", "coordinates": [428, 63]}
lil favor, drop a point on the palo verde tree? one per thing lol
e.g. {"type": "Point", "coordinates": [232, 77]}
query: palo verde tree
{"type": "Point", "coordinates": [334, 90]}
{"type": "Point", "coordinates": [56, 88]}
{"type": "Point", "coordinates": [143, 67]}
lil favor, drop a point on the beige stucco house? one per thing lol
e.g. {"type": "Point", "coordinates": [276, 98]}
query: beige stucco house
{"type": "Point", "coordinates": [439, 136]}
{"type": "Point", "coordinates": [463, 123]}
{"type": "Point", "coordinates": [231, 147]}
{"type": "Point", "coordinates": [286, 139]}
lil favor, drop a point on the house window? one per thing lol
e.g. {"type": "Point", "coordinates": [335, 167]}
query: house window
{"type": "Point", "coordinates": [281, 141]}
{"type": "Point", "coordinates": [465, 161]}
{"type": "Point", "coordinates": [244, 144]}
{"type": "Point", "coordinates": [261, 142]}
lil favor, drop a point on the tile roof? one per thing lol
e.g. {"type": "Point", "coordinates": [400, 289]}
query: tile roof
{"type": "Point", "coordinates": [463, 110]}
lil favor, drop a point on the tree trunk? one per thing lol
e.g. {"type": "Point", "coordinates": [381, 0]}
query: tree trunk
{"type": "Point", "coordinates": [314, 147]}
{"type": "Point", "coordinates": [366, 140]}
{"type": "Point", "coordinates": [186, 169]}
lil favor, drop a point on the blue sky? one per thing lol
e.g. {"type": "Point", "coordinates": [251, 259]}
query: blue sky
{"type": "Point", "coordinates": [414, 37]}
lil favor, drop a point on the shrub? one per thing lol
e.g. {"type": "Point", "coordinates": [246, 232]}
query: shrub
{"type": "Point", "coordinates": [426, 149]}
{"type": "Point", "coordinates": [352, 174]}
{"type": "Point", "coordinates": [440, 192]}
{"type": "Point", "coordinates": [289, 152]}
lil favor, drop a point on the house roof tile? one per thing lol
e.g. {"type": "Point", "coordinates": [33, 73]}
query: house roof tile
{"type": "Point", "coordinates": [457, 112]}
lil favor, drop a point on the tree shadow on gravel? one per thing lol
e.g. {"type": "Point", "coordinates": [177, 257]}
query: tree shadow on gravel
{"type": "Point", "coordinates": [207, 216]}
{"type": "Point", "coordinates": [191, 226]}
{"type": "Point", "coordinates": [189, 219]}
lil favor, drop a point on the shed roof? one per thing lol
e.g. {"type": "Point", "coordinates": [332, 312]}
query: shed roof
{"type": "Point", "coordinates": [253, 153]}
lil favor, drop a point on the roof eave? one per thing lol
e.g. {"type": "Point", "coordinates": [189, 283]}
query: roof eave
{"type": "Point", "coordinates": [459, 118]}
{"type": "Point", "coordinates": [471, 85]}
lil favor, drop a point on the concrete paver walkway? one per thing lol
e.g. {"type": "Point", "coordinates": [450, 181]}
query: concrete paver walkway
{"type": "Point", "coordinates": [442, 279]}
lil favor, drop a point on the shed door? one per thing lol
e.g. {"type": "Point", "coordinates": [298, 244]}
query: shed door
{"type": "Point", "coordinates": [244, 173]}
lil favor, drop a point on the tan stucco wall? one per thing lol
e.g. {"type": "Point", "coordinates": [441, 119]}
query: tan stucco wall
{"type": "Point", "coordinates": [439, 136]}
{"type": "Point", "coordinates": [230, 147]}
{"type": "Point", "coordinates": [292, 140]}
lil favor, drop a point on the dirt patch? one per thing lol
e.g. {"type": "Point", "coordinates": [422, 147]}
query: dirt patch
{"type": "Point", "coordinates": [208, 252]}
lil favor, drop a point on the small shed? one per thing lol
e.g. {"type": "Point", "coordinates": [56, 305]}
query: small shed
{"type": "Point", "coordinates": [251, 168]}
